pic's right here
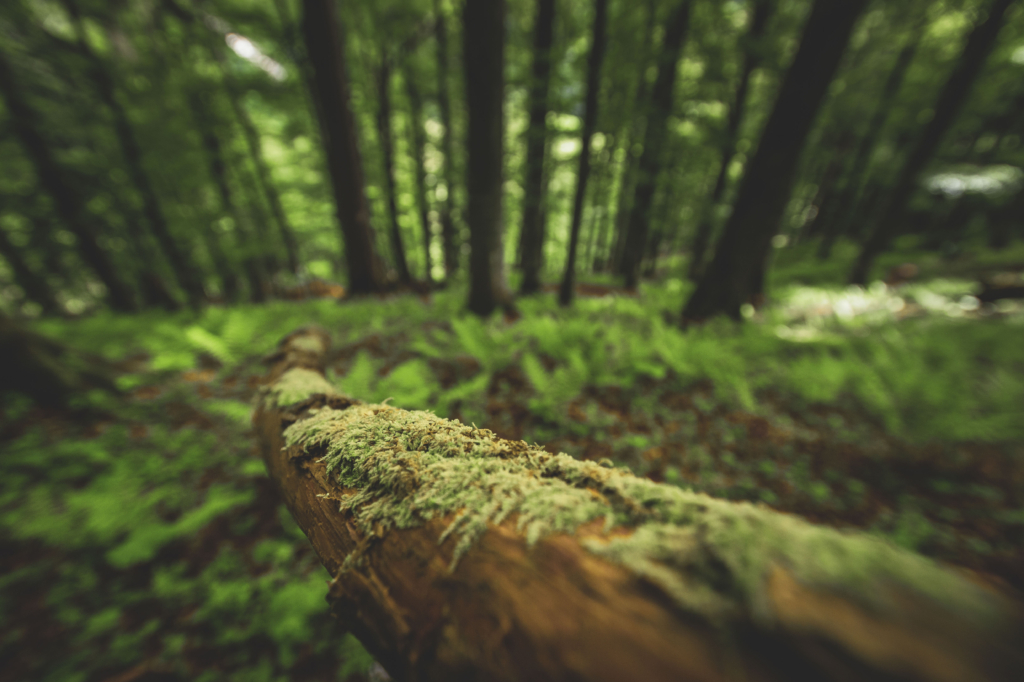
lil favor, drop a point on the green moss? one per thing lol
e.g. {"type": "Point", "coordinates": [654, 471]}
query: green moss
{"type": "Point", "coordinates": [296, 385]}
{"type": "Point", "coordinates": [709, 555]}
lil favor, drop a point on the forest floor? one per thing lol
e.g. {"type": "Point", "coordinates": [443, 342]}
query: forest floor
{"type": "Point", "coordinates": [140, 539]}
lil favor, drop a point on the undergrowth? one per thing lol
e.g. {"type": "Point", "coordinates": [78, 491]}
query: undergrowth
{"type": "Point", "coordinates": [149, 536]}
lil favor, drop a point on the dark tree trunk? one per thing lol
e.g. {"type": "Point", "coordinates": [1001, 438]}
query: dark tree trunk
{"type": "Point", "coordinates": [751, 61]}
{"type": "Point", "coordinates": [34, 284]}
{"type": "Point", "coordinates": [325, 47]}
{"type": "Point", "coordinates": [650, 162]}
{"type": "Point", "coordinates": [951, 99]}
{"type": "Point", "coordinates": [627, 176]}
{"type": "Point", "coordinates": [732, 277]}
{"type": "Point", "coordinates": [69, 204]}
{"type": "Point", "coordinates": [448, 236]}
{"type": "Point", "coordinates": [597, 50]}
{"type": "Point", "coordinates": [417, 148]}
{"type": "Point", "coordinates": [188, 277]}
{"type": "Point", "coordinates": [218, 169]}
{"type": "Point", "coordinates": [532, 234]}
{"type": "Point", "coordinates": [835, 215]}
{"type": "Point", "coordinates": [483, 30]}
{"type": "Point", "coordinates": [388, 157]}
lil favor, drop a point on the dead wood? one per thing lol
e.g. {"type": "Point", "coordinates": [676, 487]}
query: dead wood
{"type": "Point", "coordinates": [583, 572]}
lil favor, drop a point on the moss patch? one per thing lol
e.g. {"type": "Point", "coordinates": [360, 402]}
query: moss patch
{"type": "Point", "coordinates": [709, 555]}
{"type": "Point", "coordinates": [296, 385]}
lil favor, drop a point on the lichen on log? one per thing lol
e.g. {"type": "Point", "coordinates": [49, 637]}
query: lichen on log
{"type": "Point", "coordinates": [433, 528]}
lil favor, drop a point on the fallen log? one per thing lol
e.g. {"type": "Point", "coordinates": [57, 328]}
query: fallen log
{"type": "Point", "coordinates": [457, 555]}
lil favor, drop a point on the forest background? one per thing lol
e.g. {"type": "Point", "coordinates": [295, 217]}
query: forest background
{"type": "Point", "coordinates": [769, 250]}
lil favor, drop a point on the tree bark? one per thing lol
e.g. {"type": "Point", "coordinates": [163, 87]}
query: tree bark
{"type": "Point", "coordinates": [650, 162]}
{"type": "Point", "coordinates": [388, 157]}
{"type": "Point", "coordinates": [483, 30]}
{"type": "Point", "coordinates": [448, 235]}
{"type": "Point", "coordinates": [732, 277]}
{"type": "Point", "coordinates": [185, 273]}
{"type": "Point", "coordinates": [751, 61]}
{"type": "Point", "coordinates": [951, 99]}
{"type": "Point", "coordinates": [417, 148]}
{"type": "Point", "coordinates": [836, 215]}
{"type": "Point", "coordinates": [597, 50]}
{"type": "Point", "coordinates": [326, 50]}
{"type": "Point", "coordinates": [34, 284]}
{"type": "Point", "coordinates": [69, 204]}
{"type": "Point", "coordinates": [456, 555]}
{"type": "Point", "coordinates": [532, 235]}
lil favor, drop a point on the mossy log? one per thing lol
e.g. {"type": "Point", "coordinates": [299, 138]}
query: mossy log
{"type": "Point", "coordinates": [457, 555]}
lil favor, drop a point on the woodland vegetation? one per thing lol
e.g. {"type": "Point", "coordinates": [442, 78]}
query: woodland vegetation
{"type": "Point", "coordinates": [767, 250]}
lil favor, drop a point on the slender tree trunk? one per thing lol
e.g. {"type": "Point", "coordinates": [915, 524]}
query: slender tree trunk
{"type": "Point", "coordinates": [483, 30]}
{"type": "Point", "coordinates": [627, 177]}
{"type": "Point", "coordinates": [597, 232]}
{"type": "Point", "coordinates": [448, 236]}
{"type": "Point", "coordinates": [951, 99]}
{"type": "Point", "coordinates": [325, 46]}
{"type": "Point", "coordinates": [751, 61]}
{"type": "Point", "coordinates": [732, 277]}
{"type": "Point", "coordinates": [651, 158]}
{"type": "Point", "coordinates": [70, 206]}
{"type": "Point", "coordinates": [263, 176]}
{"type": "Point", "coordinates": [835, 215]}
{"type": "Point", "coordinates": [34, 284]}
{"type": "Point", "coordinates": [532, 235]}
{"type": "Point", "coordinates": [456, 555]}
{"type": "Point", "coordinates": [417, 148]}
{"type": "Point", "coordinates": [387, 152]}
{"type": "Point", "coordinates": [184, 271]}
{"type": "Point", "coordinates": [597, 50]}
{"type": "Point", "coordinates": [218, 169]}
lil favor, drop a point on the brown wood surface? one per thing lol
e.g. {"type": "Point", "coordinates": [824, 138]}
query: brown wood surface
{"type": "Point", "coordinates": [555, 611]}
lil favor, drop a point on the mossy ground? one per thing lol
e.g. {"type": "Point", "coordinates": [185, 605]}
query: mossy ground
{"type": "Point", "coordinates": [141, 535]}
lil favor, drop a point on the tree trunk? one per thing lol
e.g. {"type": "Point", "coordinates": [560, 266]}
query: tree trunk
{"type": "Point", "coordinates": [483, 30]}
{"type": "Point", "coordinates": [185, 273]}
{"type": "Point", "coordinates": [836, 214]}
{"type": "Point", "coordinates": [751, 60]}
{"type": "Point", "coordinates": [388, 158]}
{"type": "Point", "coordinates": [532, 235]}
{"type": "Point", "coordinates": [650, 162]}
{"type": "Point", "coordinates": [69, 204]}
{"type": "Point", "coordinates": [258, 285]}
{"type": "Point", "coordinates": [627, 179]}
{"type": "Point", "coordinates": [417, 148]}
{"type": "Point", "coordinates": [598, 231]}
{"type": "Point", "coordinates": [325, 46]}
{"type": "Point", "coordinates": [457, 555]}
{"type": "Point", "coordinates": [951, 99]}
{"type": "Point", "coordinates": [732, 277]}
{"type": "Point", "coordinates": [34, 285]}
{"type": "Point", "coordinates": [597, 50]}
{"type": "Point", "coordinates": [263, 174]}
{"type": "Point", "coordinates": [448, 236]}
